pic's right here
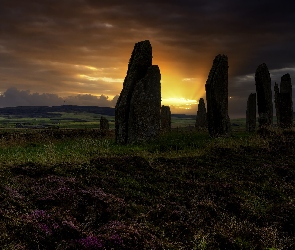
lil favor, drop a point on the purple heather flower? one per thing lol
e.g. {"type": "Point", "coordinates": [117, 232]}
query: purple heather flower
{"type": "Point", "coordinates": [91, 242]}
{"type": "Point", "coordinates": [39, 214]}
{"type": "Point", "coordinates": [70, 224]}
{"type": "Point", "coordinates": [55, 225]}
{"type": "Point", "coordinates": [45, 228]}
{"type": "Point", "coordinates": [116, 239]}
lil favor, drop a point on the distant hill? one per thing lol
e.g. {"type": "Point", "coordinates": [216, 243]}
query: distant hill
{"type": "Point", "coordinates": [183, 116]}
{"type": "Point", "coordinates": [49, 112]}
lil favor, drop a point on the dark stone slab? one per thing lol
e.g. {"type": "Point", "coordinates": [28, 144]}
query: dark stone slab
{"type": "Point", "coordinates": [137, 113]}
{"type": "Point", "coordinates": [217, 98]}
{"type": "Point", "coordinates": [264, 96]}
{"type": "Point", "coordinates": [165, 118]}
{"type": "Point", "coordinates": [201, 119]}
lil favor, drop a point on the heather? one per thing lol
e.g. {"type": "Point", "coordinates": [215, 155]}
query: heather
{"type": "Point", "coordinates": [74, 189]}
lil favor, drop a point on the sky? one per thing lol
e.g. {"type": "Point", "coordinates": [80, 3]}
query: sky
{"type": "Point", "coordinates": [55, 52]}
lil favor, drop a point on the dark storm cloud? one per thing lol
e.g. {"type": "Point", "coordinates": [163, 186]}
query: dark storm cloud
{"type": "Point", "coordinates": [42, 41]}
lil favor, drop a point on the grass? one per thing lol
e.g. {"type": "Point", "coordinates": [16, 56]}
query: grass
{"type": "Point", "coordinates": [66, 120]}
{"type": "Point", "coordinates": [74, 189]}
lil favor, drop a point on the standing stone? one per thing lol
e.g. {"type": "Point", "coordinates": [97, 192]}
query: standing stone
{"type": "Point", "coordinates": [277, 93]}
{"type": "Point", "coordinates": [251, 113]}
{"type": "Point", "coordinates": [104, 125]}
{"type": "Point", "coordinates": [264, 96]}
{"type": "Point", "coordinates": [137, 113]}
{"type": "Point", "coordinates": [165, 118]}
{"type": "Point", "coordinates": [283, 101]}
{"type": "Point", "coordinates": [201, 119]}
{"type": "Point", "coordinates": [217, 98]}
{"type": "Point", "coordinates": [145, 107]}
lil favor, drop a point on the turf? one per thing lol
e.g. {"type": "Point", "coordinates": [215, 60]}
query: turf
{"type": "Point", "coordinates": [74, 189]}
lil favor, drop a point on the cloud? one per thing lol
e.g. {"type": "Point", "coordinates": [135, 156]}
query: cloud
{"type": "Point", "coordinates": [90, 100]}
{"type": "Point", "coordinates": [42, 42]}
{"type": "Point", "coordinates": [13, 97]}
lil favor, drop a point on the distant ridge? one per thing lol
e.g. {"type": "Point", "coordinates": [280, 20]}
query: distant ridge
{"type": "Point", "coordinates": [183, 116]}
{"type": "Point", "coordinates": [51, 111]}
{"type": "Point", "coordinates": [46, 111]}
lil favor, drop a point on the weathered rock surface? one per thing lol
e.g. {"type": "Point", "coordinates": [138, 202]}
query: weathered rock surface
{"type": "Point", "coordinates": [264, 96]}
{"type": "Point", "coordinates": [165, 118]}
{"type": "Point", "coordinates": [201, 119]}
{"type": "Point", "coordinates": [137, 114]}
{"type": "Point", "coordinates": [284, 103]}
{"type": "Point", "coordinates": [217, 98]}
{"type": "Point", "coordinates": [251, 113]}
{"type": "Point", "coordinates": [145, 105]}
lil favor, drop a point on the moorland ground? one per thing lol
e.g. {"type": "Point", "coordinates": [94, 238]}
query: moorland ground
{"type": "Point", "coordinates": [77, 189]}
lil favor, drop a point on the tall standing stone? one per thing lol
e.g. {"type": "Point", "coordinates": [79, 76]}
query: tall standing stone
{"type": "Point", "coordinates": [283, 101]}
{"type": "Point", "coordinates": [145, 107]}
{"type": "Point", "coordinates": [201, 119]}
{"type": "Point", "coordinates": [251, 113]}
{"type": "Point", "coordinates": [137, 113]}
{"type": "Point", "coordinates": [277, 93]}
{"type": "Point", "coordinates": [264, 96]}
{"type": "Point", "coordinates": [217, 98]}
{"type": "Point", "coordinates": [165, 118]}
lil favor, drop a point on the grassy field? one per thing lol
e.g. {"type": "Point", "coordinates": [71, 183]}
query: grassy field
{"type": "Point", "coordinates": [91, 121]}
{"type": "Point", "coordinates": [75, 189]}
{"type": "Point", "coordinates": [66, 120]}
{"type": "Point", "coordinates": [77, 121]}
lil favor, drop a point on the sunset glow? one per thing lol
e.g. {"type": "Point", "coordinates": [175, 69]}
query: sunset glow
{"type": "Point", "coordinates": [82, 48]}
{"type": "Point", "coordinates": [100, 78]}
{"type": "Point", "coordinates": [178, 101]}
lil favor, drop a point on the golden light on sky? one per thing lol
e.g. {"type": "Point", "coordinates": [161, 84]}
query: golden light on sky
{"type": "Point", "coordinates": [178, 101]}
{"type": "Point", "coordinates": [180, 89]}
{"type": "Point", "coordinates": [102, 78]}
{"type": "Point", "coordinates": [79, 50]}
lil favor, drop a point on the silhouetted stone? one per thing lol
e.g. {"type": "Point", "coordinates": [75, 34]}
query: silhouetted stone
{"type": "Point", "coordinates": [201, 119]}
{"type": "Point", "coordinates": [277, 92]}
{"type": "Point", "coordinates": [283, 102]}
{"type": "Point", "coordinates": [217, 98]}
{"type": "Point", "coordinates": [165, 118]}
{"type": "Point", "coordinates": [264, 96]}
{"type": "Point", "coordinates": [145, 105]}
{"type": "Point", "coordinates": [104, 124]}
{"type": "Point", "coordinates": [251, 113]}
{"type": "Point", "coordinates": [137, 115]}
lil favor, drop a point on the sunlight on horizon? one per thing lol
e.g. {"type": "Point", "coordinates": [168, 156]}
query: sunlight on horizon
{"type": "Point", "coordinates": [178, 101]}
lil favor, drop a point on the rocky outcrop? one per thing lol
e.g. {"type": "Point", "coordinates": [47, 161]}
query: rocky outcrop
{"type": "Point", "coordinates": [137, 114]}
{"type": "Point", "coordinates": [251, 113]}
{"type": "Point", "coordinates": [165, 118]}
{"type": "Point", "coordinates": [217, 98]}
{"type": "Point", "coordinates": [264, 96]}
{"type": "Point", "coordinates": [201, 119]}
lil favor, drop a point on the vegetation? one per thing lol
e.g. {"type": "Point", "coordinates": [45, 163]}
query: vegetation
{"type": "Point", "coordinates": [70, 120]}
{"type": "Point", "coordinates": [77, 189]}
{"type": "Point", "coordinates": [64, 120]}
